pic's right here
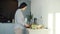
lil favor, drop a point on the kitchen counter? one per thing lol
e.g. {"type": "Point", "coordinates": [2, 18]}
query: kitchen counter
{"type": "Point", "coordinates": [37, 31]}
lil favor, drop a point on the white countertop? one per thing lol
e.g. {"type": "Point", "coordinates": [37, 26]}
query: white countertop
{"type": "Point", "coordinates": [37, 31]}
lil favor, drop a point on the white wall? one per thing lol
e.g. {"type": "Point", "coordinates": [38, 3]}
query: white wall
{"type": "Point", "coordinates": [43, 8]}
{"type": "Point", "coordinates": [39, 8]}
{"type": "Point", "coordinates": [54, 5]}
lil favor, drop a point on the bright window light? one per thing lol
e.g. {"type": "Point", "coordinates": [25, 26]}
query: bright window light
{"type": "Point", "coordinates": [50, 23]}
{"type": "Point", "coordinates": [57, 15]}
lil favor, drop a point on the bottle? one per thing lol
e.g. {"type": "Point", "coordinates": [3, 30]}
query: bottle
{"type": "Point", "coordinates": [35, 20]}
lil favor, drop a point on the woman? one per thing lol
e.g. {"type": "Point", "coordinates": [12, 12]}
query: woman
{"type": "Point", "coordinates": [19, 19]}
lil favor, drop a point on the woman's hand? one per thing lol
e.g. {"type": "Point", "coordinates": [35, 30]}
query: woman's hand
{"type": "Point", "coordinates": [27, 25]}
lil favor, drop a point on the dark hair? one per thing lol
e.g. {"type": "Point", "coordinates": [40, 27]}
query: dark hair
{"type": "Point", "coordinates": [22, 5]}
